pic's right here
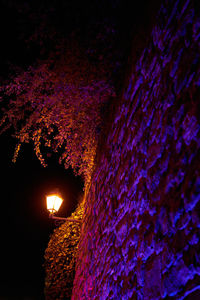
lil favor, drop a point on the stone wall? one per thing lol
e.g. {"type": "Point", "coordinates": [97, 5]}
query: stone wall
{"type": "Point", "coordinates": [141, 233]}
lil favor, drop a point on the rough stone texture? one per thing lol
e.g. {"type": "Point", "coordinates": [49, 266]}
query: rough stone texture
{"type": "Point", "coordinates": [140, 237]}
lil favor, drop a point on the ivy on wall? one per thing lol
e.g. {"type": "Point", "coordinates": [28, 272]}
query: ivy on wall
{"type": "Point", "coordinates": [60, 258]}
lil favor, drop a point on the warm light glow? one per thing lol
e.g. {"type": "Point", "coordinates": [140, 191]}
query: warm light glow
{"type": "Point", "coordinates": [53, 203]}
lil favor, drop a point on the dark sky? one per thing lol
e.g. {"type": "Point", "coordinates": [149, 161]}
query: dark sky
{"type": "Point", "coordinates": [25, 227]}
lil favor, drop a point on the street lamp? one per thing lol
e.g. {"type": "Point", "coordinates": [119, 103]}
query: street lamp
{"type": "Point", "coordinates": [54, 202]}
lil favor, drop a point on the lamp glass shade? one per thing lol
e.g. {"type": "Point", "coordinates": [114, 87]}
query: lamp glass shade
{"type": "Point", "coordinates": [53, 203]}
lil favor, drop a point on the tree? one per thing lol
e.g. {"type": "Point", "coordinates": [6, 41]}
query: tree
{"type": "Point", "coordinates": [56, 106]}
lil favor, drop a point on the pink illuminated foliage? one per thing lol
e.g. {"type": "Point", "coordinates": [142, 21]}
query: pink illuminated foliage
{"type": "Point", "coordinates": [56, 105]}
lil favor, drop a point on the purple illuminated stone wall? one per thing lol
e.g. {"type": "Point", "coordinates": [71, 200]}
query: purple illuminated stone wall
{"type": "Point", "coordinates": [141, 234]}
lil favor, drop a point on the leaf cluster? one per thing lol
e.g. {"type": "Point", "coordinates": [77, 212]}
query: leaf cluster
{"type": "Point", "coordinates": [56, 106]}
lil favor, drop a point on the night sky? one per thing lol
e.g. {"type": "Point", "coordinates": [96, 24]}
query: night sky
{"type": "Point", "coordinates": [25, 227]}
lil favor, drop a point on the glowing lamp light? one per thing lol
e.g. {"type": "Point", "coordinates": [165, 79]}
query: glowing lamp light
{"type": "Point", "coordinates": [53, 203]}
